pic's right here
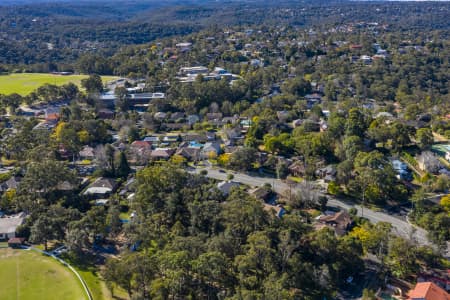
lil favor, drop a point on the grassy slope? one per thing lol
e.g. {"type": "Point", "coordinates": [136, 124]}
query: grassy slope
{"type": "Point", "coordinates": [30, 275]}
{"type": "Point", "coordinates": [25, 83]}
{"type": "Point", "coordinates": [91, 276]}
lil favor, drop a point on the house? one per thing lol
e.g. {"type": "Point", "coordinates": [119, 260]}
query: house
{"type": "Point", "coordinates": [140, 151]}
{"type": "Point", "coordinates": [44, 126]}
{"type": "Point", "coordinates": [214, 116]}
{"type": "Point", "coordinates": [101, 202]}
{"type": "Point", "coordinates": [16, 242]}
{"type": "Point", "coordinates": [323, 125]}
{"type": "Point", "coordinates": [427, 291]}
{"type": "Point", "coordinates": [256, 63]}
{"type": "Point", "coordinates": [384, 114]}
{"type": "Point", "coordinates": [87, 153]}
{"type": "Point", "coordinates": [367, 60]}
{"type": "Point", "coordinates": [402, 170]}
{"type": "Point", "coordinates": [277, 210]}
{"type": "Point", "coordinates": [210, 148]}
{"type": "Point", "coordinates": [160, 115]}
{"type": "Point", "coordinates": [230, 120]}
{"type": "Point", "coordinates": [313, 99]}
{"type": "Point", "coordinates": [296, 123]}
{"type": "Point", "coordinates": [129, 187]}
{"type": "Point", "coordinates": [282, 115]}
{"type": "Point", "coordinates": [210, 135]}
{"type": "Point", "coordinates": [176, 116]}
{"type": "Point", "coordinates": [190, 153]}
{"type": "Point", "coordinates": [10, 184]}
{"type": "Point", "coordinates": [141, 146]}
{"type": "Point", "coordinates": [195, 137]}
{"type": "Point", "coordinates": [245, 124]}
{"type": "Point", "coordinates": [192, 119]}
{"type": "Point", "coordinates": [226, 186]}
{"type": "Point", "coordinates": [101, 187]}
{"type": "Point", "coordinates": [162, 153]}
{"type": "Point", "coordinates": [105, 114]}
{"type": "Point", "coordinates": [340, 222]}
{"type": "Point", "coordinates": [328, 173]}
{"type": "Point", "coordinates": [193, 71]}
{"type": "Point", "coordinates": [171, 138]}
{"type": "Point", "coordinates": [356, 47]}
{"type": "Point", "coordinates": [427, 161]}
{"type": "Point", "coordinates": [262, 193]}
{"type": "Point", "coordinates": [52, 118]}
{"type": "Point", "coordinates": [297, 168]}
{"type": "Point", "coordinates": [9, 224]}
{"type": "Point", "coordinates": [151, 139]}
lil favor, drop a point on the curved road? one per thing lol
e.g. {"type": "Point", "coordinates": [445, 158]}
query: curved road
{"type": "Point", "coordinates": [400, 227]}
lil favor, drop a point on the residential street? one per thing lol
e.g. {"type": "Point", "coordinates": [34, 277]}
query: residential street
{"type": "Point", "coordinates": [401, 227]}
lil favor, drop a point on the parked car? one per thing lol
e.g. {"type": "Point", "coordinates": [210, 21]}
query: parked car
{"type": "Point", "coordinates": [60, 250]}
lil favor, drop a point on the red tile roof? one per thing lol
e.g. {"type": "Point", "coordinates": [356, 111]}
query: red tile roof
{"type": "Point", "coordinates": [16, 240]}
{"type": "Point", "coordinates": [428, 291]}
{"type": "Point", "coordinates": [52, 117]}
{"type": "Point", "coordinates": [141, 144]}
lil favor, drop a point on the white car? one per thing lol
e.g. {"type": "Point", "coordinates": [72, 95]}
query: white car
{"type": "Point", "coordinates": [60, 250]}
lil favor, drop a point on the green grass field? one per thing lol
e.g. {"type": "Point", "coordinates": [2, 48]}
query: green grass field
{"type": "Point", "coordinates": [30, 275]}
{"type": "Point", "coordinates": [25, 83]}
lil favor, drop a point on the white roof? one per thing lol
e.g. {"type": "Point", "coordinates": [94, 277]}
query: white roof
{"type": "Point", "coordinates": [97, 190]}
{"type": "Point", "coordinates": [185, 44]}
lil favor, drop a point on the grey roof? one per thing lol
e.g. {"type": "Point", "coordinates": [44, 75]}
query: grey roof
{"type": "Point", "coordinates": [101, 186]}
{"type": "Point", "coordinates": [214, 146]}
{"type": "Point", "coordinates": [226, 186]}
{"type": "Point", "coordinates": [9, 224]}
{"type": "Point", "coordinates": [12, 183]}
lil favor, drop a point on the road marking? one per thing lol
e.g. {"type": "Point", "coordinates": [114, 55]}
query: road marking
{"type": "Point", "coordinates": [17, 278]}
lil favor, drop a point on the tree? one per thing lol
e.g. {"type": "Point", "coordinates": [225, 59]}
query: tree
{"type": "Point", "coordinates": [113, 220]}
{"type": "Point", "coordinates": [242, 159]}
{"type": "Point", "coordinates": [93, 84]}
{"type": "Point", "coordinates": [402, 257]}
{"type": "Point", "coordinates": [70, 140]}
{"type": "Point", "coordinates": [123, 168]}
{"type": "Point", "coordinates": [445, 203]}
{"type": "Point", "coordinates": [400, 136]}
{"type": "Point", "coordinates": [374, 238]}
{"type": "Point", "coordinates": [110, 156]}
{"type": "Point", "coordinates": [42, 179]}
{"type": "Point", "coordinates": [42, 230]}
{"type": "Point", "coordinates": [121, 94]}
{"type": "Point", "coordinates": [307, 196]}
{"type": "Point", "coordinates": [424, 138]}
{"type": "Point", "coordinates": [297, 86]}
{"type": "Point", "coordinates": [375, 179]}
{"type": "Point", "coordinates": [77, 239]}
{"type": "Point", "coordinates": [94, 223]}
{"type": "Point", "coordinates": [282, 169]}
{"type": "Point", "coordinates": [369, 295]}
{"type": "Point", "coordinates": [213, 271]}
{"type": "Point", "coordinates": [355, 124]}
{"type": "Point", "coordinates": [256, 262]}
{"type": "Point", "coordinates": [351, 146]}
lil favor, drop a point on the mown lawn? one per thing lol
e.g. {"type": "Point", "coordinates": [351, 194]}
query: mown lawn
{"type": "Point", "coordinates": [26, 274]}
{"type": "Point", "coordinates": [25, 83]}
